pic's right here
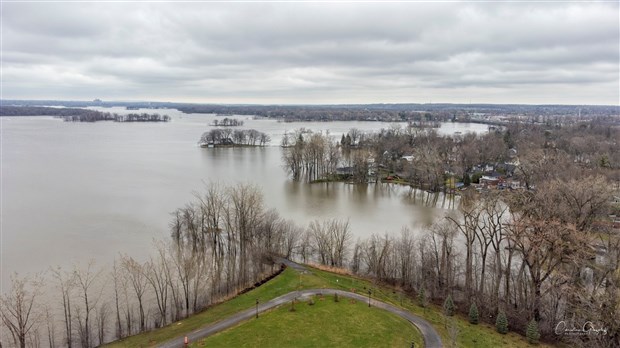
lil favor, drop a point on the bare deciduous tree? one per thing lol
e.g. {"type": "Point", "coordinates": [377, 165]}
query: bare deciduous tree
{"type": "Point", "coordinates": [90, 293]}
{"type": "Point", "coordinates": [136, 275]}
{"type": "Point", "coordinates": [19, 309]}
{"type": "Point", "coordinates": [65, 283]}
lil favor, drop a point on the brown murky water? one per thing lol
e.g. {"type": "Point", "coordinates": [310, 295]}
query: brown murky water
{"type": "Point", "coordinates": [76, 191]}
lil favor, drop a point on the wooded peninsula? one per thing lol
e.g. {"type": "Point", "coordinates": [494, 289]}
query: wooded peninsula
{"type": "Point", "coordinates": [81, 115]}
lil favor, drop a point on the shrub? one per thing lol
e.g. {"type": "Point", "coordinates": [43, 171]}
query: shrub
{"type": "Point", "coordinates": [532, 332]}
{"type": "Point", "coordinates": [473, 314]}
{"type": "Point", "coordinates": [501, 323]}
{"type": "Point", "coordinates": [448, 306]}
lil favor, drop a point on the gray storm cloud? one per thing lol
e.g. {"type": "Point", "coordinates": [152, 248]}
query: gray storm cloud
{"type": "Point", "coordinates": [312, 53]}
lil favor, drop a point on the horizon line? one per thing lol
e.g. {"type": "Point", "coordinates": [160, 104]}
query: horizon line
{"type": "Point", "coordinates": [292, 104]}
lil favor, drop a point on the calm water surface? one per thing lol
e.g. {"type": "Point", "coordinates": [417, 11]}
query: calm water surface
{"type": "Point", "coordinates": [76, 191]}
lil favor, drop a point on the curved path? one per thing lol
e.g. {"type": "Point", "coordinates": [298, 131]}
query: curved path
{"type": "Point", "coordinates": [430, 335]}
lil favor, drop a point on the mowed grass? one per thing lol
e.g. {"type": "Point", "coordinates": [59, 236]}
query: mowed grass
{"type": "Point", "coordinates": [469, 335]}
{"type": "Point", "coordinates": [347, 323]}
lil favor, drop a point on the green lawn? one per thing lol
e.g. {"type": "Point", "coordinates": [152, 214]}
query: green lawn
{"type": "Point", "coordinates": [469, 335]}
{"type": "Point", "coordinates": [481, 335]}
{"type": "Point", "coordinates": [347, 323]}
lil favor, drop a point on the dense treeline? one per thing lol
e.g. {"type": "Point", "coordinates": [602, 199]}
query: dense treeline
{"type": "Point", "coordinates": [227, 122]}
{"type": "Point", "coordinates": [227, 136]}
{"type": "Point", "coordinates": [425, 159]}
{"type": "Point", "coordinates": [82, 115]}
{"type": "Point", "coordinates": [532, 255]}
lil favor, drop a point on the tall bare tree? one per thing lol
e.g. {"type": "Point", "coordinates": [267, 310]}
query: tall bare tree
{"type": "Point", "coordinates": [66, 282]}
{"type": "Point", "coordinates": [19, 309]}
{"type": "Point", "coordinates": [90, 293]}
{"type": "Point", "coordinates": [136, 275]}
{"type": "Point", "coordinates": [156, 275]}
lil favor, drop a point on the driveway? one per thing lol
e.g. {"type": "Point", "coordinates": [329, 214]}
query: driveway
{"type": "Point", "coordinates": [431, 338]}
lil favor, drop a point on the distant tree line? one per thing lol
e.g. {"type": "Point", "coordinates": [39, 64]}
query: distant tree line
{"type": "Point", "coordinates": [42, 111]}
{"type": "Point", "coordinates": [81, 115]}
{"type": "Point", "coordinates": [227, 122]}
{"type": "Point", "coordinates": [327, 113]}
{"type": "Point", "coordinates": [227, 136]}
{"type": "Point", "coordinates": [425, 113]}
{"type": "Point", "coordinates": [401, 112]}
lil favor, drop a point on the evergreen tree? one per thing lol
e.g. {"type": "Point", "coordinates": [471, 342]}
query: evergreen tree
{"type": "Point", "coordinates": [422, 298]}
{"type": "Point", "coordinates": [342, 140]}
{"type": "Point", "coordinates": [448, 306]}
{"type": "Point", "coordinates": [473, 314]}
{"type": "Point", "coordinates": [532, 332]}
{"type": "Point", "coordinates": [501, 323]}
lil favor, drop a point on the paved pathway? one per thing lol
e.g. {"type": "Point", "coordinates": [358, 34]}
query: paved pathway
{"type": "Point", "coordinates": [430, 335]}
{"type": "Point", "coordinates": [294, 265]}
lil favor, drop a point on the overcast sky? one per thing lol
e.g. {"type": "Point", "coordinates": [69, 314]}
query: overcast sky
{"type": "Point", "coordinates": [538, 53]}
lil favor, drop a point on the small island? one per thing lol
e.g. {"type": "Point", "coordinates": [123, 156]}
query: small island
{"type": "Point", "coordinates": [227, 122]}
{"type": "Point", "coordinates": [106, 116]}
{"type": "Point", "coordinates": [233, 138]}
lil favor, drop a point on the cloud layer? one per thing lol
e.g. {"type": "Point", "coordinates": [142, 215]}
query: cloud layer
{"type": "Point", "coordinates": [538, 53]}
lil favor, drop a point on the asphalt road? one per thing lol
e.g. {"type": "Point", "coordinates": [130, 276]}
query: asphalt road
{"type": "Point", "coordinates": [431, 338]}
